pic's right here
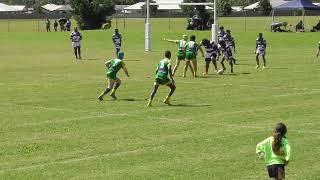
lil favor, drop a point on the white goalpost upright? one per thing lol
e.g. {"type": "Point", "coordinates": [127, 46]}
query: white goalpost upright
{"type": "Point", "coordinates": [214, 29]}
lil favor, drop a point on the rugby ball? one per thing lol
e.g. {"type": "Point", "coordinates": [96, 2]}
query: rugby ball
{"type": "Point", "coordinates": [220, 71]}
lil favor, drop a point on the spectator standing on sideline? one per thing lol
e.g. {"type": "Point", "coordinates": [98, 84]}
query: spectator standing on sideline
{"type": "Point", "coordinates": [61, 26]}
{"type": "Point", "coordinates": [55, 25]}
{"type": "Point", "coordinates": [68, 24]}
{"type": "Point", "coordinates": [47, 25]}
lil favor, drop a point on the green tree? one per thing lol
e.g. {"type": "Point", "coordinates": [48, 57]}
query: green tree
{"type": "Point", "coordinates": [91, 14]}
{"type": "Point", "coordinates": [265, 7]}
{"type": "Point", "coordinates": [37, 6]}
{"type": "Point", "coordinates": [224, 7]}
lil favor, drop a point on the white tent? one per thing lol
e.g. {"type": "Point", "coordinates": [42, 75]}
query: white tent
{"type": "Point", "coordinates": [137, 6]}
{"type": "Point", "coordinates": [163, 5]}
{"type": "Point", "coordinates": [236, 8]}
{"type": "Point", "coordinates": [273, 3]}
{"type": "Point", "coordinates": [54, 7]}
{"type": "Point", "coordinates": [19, 8]}
{"type": "Point", "coordinates": [6, 8]}
{"type": "Point", "coordinates": [252, 6]}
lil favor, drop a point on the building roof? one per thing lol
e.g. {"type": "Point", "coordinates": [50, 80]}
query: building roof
{"type": "Point", "coordinates": [54, 7]}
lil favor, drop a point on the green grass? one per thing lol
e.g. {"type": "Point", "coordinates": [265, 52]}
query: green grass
{"type": "Point", "coordinates": [53, 127]}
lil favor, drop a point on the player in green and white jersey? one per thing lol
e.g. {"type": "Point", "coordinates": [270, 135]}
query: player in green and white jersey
{"type": "Point", "coordinates": [181, 54]}
{"type": "Point", "coordinates": [191, 55]}
{"type": "Point", "coordinates": [114, 82]}
{"type": "Point", "coordinates": [164, 77]}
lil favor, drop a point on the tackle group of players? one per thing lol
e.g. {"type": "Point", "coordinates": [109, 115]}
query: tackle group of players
{"type": "Point", "coordinates": [187, 51]}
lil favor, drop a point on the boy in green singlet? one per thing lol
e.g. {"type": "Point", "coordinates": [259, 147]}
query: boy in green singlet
{"type": "Point", "coordinates": [181, 54]}
{"type": "Point", "coordinates": [163, 77]}
{"type": "Point", "coordinates": [191, 55]}
{"type": "Point", "coordinates": [114, 82]}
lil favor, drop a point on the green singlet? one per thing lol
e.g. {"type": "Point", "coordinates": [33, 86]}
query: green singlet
{"type": "Point", "coordinates": [163, 72]}
{"type": "Point", "coordinates": [115, 66]}
{"type": "Point", "coordinates": [191, 48]}
{"type": "Point", "coordinates": [181, 49]}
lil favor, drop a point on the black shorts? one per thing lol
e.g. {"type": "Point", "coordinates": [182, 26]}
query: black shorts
{"type": "Point", "coordinates": [213, 57]}
{"type": "Point", "coordinates": [276, 171]}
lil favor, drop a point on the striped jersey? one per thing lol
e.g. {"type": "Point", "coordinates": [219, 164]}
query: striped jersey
{"type": "Point", "coordinates": [76, 36]}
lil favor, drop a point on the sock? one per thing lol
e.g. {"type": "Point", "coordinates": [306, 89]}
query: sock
{"type": "Point", "coordinates": [113, 91]}
{"type": "Point", "coordinates": [106, 91]}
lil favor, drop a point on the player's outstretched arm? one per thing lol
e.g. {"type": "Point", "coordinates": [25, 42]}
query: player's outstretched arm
{"type": "Point", "coordinates": [201, 50]}
{"type": "Point", "coordinates": [126, 71]}
{"type": "Point", "coordinates": [171, 41]}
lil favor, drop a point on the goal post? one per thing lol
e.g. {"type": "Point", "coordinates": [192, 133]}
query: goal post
{"type": "Point", "coordinates": [214, 29]}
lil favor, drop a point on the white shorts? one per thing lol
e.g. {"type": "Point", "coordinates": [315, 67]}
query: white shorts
{"type": "Point", "coordinates": [76, 44]}
{"type": "Point", "coordinates": [261, 52]}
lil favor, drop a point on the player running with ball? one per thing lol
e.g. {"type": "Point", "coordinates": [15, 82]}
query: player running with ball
{"type": "Point", "coordinates": [163, 77]}
{"type": "Point", "coordinates": [212, 53]}
{"type": "Point", "coordinates": [261, 46]}
{"type": "Point", "coordinates": [114, 82]}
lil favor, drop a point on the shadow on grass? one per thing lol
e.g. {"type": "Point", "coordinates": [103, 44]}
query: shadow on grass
{"type": "Point", "coordinates": [132, 60]}
{"type": "Point", "coordinates": [190, 105]}
{"type": "Point", "coordinates": [245, 73]}
{"type": "Point", "coordinates": [91, 59]}
{"type": "Point", "coordinates": [207, 77]}
{"type": "Point", "coordinates": [230, 74]}
{"type": "Point", "coordinates": [243, 64]}
{"type": "Point", "coordinates": [277, 68]}
{"type": "Point", "coordinates": [132, 99]}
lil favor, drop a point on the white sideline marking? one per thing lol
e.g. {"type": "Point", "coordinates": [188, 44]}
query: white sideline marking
{"type": "Point", "coordinates": [56, 121]}
{"type": "Point", "coordinates": [61, 109]}
{"type": "Point", "coordinates": [138, 111]}
{"type": "Point", "coordinates": [70, 160]}
{"type": "Point", "coordinates": [282, 88]}
{"type": "Point", "coordinates": [296, 94]}
{"type": "Point", "coordinates": [269, 129]}
{"type": "Point", "coordinates": [244, 85]}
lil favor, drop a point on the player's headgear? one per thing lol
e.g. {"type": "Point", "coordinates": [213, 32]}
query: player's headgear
{"type": "Point", "coordinates": [120, 55]}
{"type": "Point", "coordinates": [185, 37]}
